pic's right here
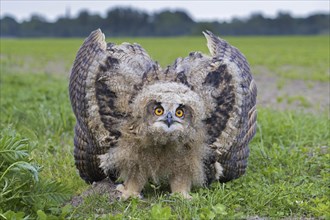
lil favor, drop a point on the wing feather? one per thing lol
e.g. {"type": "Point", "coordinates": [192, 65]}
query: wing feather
{"type": "Point", "coordinates": [225, 82]}
{"type": "Point", "coordinates": [242, 121]}
{"type": "Point", "coordinates": [104, 80]}
{"type": "Point", "coordinates": [90, 55]}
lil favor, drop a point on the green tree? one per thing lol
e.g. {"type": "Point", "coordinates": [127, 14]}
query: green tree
{"type": "Point", "coordinates": [168, 23]}
{"type": "Point", "coordinates": [127, 22]}
{"type": "Point", "coordinates": [9, 27]}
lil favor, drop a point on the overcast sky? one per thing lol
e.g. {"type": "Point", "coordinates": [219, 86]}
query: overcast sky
{"type": "Point", "coordinates": [198, 10]}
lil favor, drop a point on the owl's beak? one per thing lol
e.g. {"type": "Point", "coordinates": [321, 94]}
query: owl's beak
{"type": "Point", "coordinates": [169, 119]}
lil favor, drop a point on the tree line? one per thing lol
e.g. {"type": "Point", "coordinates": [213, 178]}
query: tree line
{"type": "Point", "coordinates": [133, 22]}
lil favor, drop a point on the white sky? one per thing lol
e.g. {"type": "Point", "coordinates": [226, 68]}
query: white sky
{"type": "Point", "coordinates": [198, 10]}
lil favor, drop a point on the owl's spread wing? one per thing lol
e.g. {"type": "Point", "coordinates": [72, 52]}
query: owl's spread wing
{"type": "Point", "coordinates": [104, 79]}
{"type": "Point", "coordinates": [229, 91]}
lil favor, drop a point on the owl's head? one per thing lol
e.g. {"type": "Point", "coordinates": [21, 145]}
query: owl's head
{"type": "Point", "coordinates": [170, 112]}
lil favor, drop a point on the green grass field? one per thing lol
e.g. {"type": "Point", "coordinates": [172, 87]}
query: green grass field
{"type": "Point", "coordinates": [290, 57]}
{"type": "Point", "coordinates": [288, 172]}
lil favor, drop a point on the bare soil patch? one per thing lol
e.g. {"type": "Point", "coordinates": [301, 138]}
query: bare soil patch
{"type": "Point", "coordinates": [104, 187]}
{"type": "Point", "coordinates": [287, 94]}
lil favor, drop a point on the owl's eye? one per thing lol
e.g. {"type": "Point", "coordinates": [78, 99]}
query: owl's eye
{"type": "Point", "coordinates": [159, 111]}
{"type": "Point", "coordinates": [179, 113]}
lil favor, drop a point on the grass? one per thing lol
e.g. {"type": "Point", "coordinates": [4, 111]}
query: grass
{"type": "Point", "coordinates": [287, 177]}
{"type": "Point", "coordinates": [299, 57]}
{"type": "Point", "coordinates": [288, 172]}
{"type": "Point", "coordinates": [299, 99]}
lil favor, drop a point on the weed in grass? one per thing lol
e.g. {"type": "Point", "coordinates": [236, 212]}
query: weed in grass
{"type": "Point", "coordinates": [23, 192]}
{"type": "Point", "coordinates": [310, 84]}
{"type": "Point", "coordinates": [280, 99]}
{"type": "Point", "coordinates": [280, 83]}
{"type": "Point", "coordinates": [300, 99]}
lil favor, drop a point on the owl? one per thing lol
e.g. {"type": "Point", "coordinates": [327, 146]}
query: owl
{"type": "Point", "coordinates": [185, 125]}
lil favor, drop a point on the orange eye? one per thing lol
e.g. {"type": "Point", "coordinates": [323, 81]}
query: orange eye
{"type": "Point", "coordinates": [159, 111]}
{"type": "Point", "coordinates": [179, 113]}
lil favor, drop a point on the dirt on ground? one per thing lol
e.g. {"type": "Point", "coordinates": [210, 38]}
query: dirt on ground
{"type": "Point", "coordinates": [292, 94]}
{"type": "Point", "coordinates": [104, 187]}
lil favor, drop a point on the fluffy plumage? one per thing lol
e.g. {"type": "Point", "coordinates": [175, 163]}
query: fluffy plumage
{"type": "Point", "coordinates": [189, 124]}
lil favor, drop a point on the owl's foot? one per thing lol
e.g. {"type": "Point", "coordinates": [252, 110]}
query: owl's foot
{"type": "Point", "coordinates": [185, 195]}
{"type": "Point", "coordinates": [181, 184]}
{"type": "Point", "coordinates": [127, 193]}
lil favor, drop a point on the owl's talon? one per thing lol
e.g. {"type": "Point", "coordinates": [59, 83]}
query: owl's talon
{"type": "Point", "coordinates": [184, 195]}
{"type": "Point", "coordinates": [126, 194]}
{"type": "Point", "coordinates": [120, 188]}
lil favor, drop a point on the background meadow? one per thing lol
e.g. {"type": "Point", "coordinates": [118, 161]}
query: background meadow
{"type": "Point", "coordinates": [288, 172]}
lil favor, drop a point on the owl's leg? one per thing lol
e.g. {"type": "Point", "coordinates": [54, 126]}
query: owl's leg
{"type": "Point", "coordinates": [131, 187]}
{"type": "Point", "coordinates": [181, 184]}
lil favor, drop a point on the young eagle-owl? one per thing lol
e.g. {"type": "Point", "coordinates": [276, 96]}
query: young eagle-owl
{"type": "Point", "coordinates": [187, 125]}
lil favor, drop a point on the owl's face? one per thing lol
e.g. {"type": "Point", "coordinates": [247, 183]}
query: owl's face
{"type": "Point", "coordinates": [169, 116]}
{"type": "Point", "coordinates": [169, 113]}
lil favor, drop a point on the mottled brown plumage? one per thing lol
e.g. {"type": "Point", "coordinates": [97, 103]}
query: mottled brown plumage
{"type": "Point", "coordinates": [189, 124]}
